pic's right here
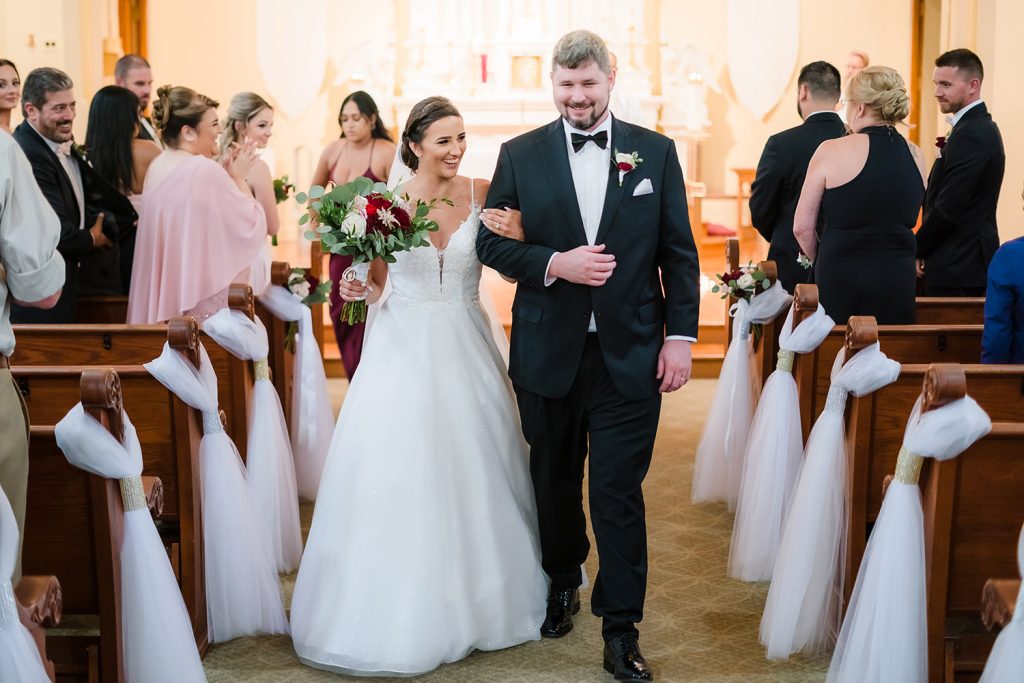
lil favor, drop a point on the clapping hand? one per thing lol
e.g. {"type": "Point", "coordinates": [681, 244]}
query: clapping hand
{"type": "Point", "coordinates": [504, 222]}
{"type": "Point", "coordinates": [239, 159]}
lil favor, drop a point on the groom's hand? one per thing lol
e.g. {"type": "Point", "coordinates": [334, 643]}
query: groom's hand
{"type": "Point", "coordinates": [674, 364]}
{"type": "Point", "coordinates": [584, 265]}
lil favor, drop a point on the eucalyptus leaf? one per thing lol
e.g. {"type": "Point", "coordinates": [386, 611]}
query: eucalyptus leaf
{"type": "Point", "coordinates": [316, 192]}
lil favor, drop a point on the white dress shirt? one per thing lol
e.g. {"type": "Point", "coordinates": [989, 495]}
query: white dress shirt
{"type": "Point", "coordinates": [73, 172]}
{"type": "Point", "coordinates": [31, 268]}
{"type": "Point", "coordinates": [955, 118]}
{"type": "Point", "coordinates": [589, 168]}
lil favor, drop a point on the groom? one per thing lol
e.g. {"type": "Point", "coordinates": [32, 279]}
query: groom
{"type": "Point", "coordinates": [590, 356]}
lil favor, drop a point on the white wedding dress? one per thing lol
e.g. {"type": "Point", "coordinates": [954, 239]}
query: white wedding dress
{"type": "Point", "coordinates": [424, 540]}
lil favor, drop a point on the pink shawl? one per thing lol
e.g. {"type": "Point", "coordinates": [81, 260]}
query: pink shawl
{"type": "Point", "coordinates": [197, 232]}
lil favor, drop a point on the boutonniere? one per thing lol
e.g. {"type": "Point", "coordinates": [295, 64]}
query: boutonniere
{"type": "Point", "coordinates": [626, 162]}
{"type": "Point", "coordinates": [79, 150]}
{"type": "Point", "coordinates": [940, 144]}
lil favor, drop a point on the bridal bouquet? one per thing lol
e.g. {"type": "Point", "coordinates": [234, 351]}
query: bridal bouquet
{"type": "Point", "coordinates": [365, 220]}
{"type": "Point", "coordinates": [742, 283]}
{"type": "Point", "coordinates": [304, 285]}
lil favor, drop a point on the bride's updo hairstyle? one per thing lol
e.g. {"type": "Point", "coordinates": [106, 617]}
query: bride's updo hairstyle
{"type": "Point", "coordinates": [882, 89]}
{"type": "Point", "coordinates": [243, 108]}
{"type": "Point", "coordinates": [177, 107]}
{"type": "Point", "coordinates": [423, 114]}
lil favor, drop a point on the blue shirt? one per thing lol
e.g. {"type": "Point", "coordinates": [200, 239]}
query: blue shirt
{"type": "Point", "coordinates": [1003, 339]}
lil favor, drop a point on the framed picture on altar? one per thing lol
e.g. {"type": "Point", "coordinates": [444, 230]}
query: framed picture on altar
{"type": "Point", "coordinates": [526, 72]}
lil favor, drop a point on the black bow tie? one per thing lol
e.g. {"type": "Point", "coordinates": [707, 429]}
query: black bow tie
{"type": "Point", "coordinates": [600, 139]}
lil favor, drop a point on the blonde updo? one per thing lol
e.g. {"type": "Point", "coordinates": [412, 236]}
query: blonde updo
{"type": "Point", "coordinates": [243, 108]}
{"type": "Point", "coordinates": [882, 89]}
{"type": "Point", "coordinates": [177, 107]}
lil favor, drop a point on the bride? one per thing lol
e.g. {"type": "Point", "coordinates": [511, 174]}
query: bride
{"type": "Point", "coordinates": [424, 543]}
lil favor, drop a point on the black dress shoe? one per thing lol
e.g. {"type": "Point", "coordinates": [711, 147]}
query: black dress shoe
{"type": "Point", "coordinates": [623, 660]}
{"type": "Point", "coordinates": [562, 604]}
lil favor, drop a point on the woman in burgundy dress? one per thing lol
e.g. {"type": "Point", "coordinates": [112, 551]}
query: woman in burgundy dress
{"type": "Point", "coordinates": [364, 149]}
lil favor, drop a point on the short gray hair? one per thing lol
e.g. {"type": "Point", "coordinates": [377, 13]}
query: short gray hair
{"type": "Point", "coordinates": [580, 48]}
{"type": "Point", "coordinates": [127, 63]}
{"type": "Point", "coordinates": [40, 83]}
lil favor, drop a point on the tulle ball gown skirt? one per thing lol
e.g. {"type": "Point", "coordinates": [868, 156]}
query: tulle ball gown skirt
{"type": "Point", "coordinates": [424, 543]}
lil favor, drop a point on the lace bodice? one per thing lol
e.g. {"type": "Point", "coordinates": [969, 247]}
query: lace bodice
{"type": "Point", "coordinates": [450, 276]}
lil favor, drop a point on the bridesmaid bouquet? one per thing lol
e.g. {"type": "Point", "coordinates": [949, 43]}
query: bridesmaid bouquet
{"type": "Point", "coordinates": [310, 291]}
{"type": "Point", "coordinates": [742, 283]}
{"type": "Point", "coordinates": [282, 190]}
{"type": "Point", "coordinates": [365, 220]}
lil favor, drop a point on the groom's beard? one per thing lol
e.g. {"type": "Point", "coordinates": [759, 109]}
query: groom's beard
{"type": "Point", "coordinates": [589, 122]}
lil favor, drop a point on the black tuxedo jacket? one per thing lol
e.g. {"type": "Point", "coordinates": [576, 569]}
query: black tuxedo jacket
{"type": "Point", "coordinates": [776, 190]}
{"type": "Point", "coordinates": [653, 291]}
{"type": "Point", "coordinates": [87, 270]}
{"type": "Point", "coordinates": [958, 234]}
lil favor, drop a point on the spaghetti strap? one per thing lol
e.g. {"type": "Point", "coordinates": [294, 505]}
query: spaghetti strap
{"type": "Point", "coordinates": [472, 194]}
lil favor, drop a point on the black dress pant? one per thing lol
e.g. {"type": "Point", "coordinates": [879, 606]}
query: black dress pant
{"type": "Point", "coordinates": [620, 434]}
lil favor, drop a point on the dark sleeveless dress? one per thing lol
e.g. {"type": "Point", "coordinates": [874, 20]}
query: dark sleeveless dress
{"type": "Point", "coordinates": [349, 337]}
{"type": "Point", "coordinates": [865, 262]}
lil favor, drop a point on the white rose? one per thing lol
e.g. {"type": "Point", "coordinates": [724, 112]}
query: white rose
{"type": "Point", "coordinates": [301, 289]}
{"type": "Point", "coordinates": [623, 158]}
{"type": "Point", "coordinates": [746, 281]}
{"type": "Point", "coordinates": [354, 225]}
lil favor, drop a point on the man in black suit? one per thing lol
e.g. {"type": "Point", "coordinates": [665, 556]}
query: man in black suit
{"type": "Point", "coordinates": [76, 193]}
{"type": "Point", "coordinates": [783, 166]}
{"type": "Point", "coordinates": [958, 235]}
{"type": "Point", "coordinates": [134, 73]}
{"type": "Point", "coordinates": [594, 339]}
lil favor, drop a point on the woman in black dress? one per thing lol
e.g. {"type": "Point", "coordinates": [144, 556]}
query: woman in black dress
{"type": "Point", "coordinates": [869, 185]}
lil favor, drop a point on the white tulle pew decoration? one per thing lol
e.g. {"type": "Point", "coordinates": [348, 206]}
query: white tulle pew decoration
{"type": "Point", "coordinates": [243, 596]}
{"type": "Point", "coordinates": [312, 418]}
{"type": "Point", "coordinates": [884, 636]}
{"type": "Point", "coordinates": [774, 447]}
{"type": "Point", "coordinates": [1006, 661]}
{"type": "Point", "coordinates": [270, 471]}
{"type": "Point", "coordinates": [804, 607]}
{"type": "Point", "coordinates": [159, 645]}
{"type": "Point", "coordinates": [719, 461]}
{"type": "Point", "coordinates": [19, 657]}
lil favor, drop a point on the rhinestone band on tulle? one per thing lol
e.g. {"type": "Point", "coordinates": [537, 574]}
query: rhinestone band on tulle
{"type": "Point", "coordinates": [8, 607]}
{"type": "Point", "coordinates": [211, 422]}
{"type": "Point", "coordinates": [836, 401]}
{"type": "Point", "coordinates": [133, 497]}
{"type": "Point", "coordinates": [261, 368]}
{"type": "Point", "coordinates": [785, 362]}
{"type": "Point", "coordinates": [908, 467]}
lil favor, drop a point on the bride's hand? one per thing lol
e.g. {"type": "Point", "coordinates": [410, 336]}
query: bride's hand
{"type": "Point", "coordinates": [354, 290]}
{"type": "Point", "coordinates": [504, 222]}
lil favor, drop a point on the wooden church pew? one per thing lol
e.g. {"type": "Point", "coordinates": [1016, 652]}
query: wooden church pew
{"type": "Point", "coordinates": [114, 345]}
{"type": "Point", "coordinates": [973, 510]}
{"type": "Point", "coordinates": [282, 361]}
{"type": "Point", "coordinates": [98, 309]}
{"type": "Point", "coordinates": [169, 437]}
{"type": "Point", "coordinates": [950, 310]}
{"type": "Point", "coordinates": [998, 602]}
{"type": "Point", "coordinates": [73, 529]}
{"type": "Point", "coordinates": [875, 426]}
{"type": "Point", "coordinates": [907, 344]}
{"type": "Point", "coordinates": [40, 603]}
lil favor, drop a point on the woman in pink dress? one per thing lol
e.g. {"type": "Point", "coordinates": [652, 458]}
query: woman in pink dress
{"type": "Point", "coordinates": [201, 228]}
{"type": "Point", "coordinates": [364, 149]}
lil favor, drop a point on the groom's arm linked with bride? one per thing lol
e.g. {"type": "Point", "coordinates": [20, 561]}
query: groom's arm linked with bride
{"type": "Point", "coordinates": [605, 309]}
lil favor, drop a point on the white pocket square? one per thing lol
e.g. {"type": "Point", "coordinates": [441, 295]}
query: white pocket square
{"type": "Point", "coordinates": [643, 187]}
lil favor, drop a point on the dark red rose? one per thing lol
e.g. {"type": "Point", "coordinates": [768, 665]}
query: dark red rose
{"type": "Point", "coordinates": [371, 211]}
{"type": "Point", "coordinates": [940, 141]}
{"type": "Point", "coordinates": [401, 216]}
{"type": "Point", "coordinates": [626, 168]}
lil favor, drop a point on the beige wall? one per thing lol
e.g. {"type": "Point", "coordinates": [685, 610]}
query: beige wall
{"type": "Point", "coordinates": [828, 31]}
{"type": "Point", "coordinates": [1001, 49]}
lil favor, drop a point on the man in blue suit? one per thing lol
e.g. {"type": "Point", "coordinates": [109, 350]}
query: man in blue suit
{"type": "Point", "coordinates": [1003, 339]}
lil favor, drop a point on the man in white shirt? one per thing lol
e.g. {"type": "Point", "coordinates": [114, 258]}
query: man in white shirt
{"type": "Point", "coordinates": [32, 275]}
{"type": "Point", "coordinates": [605, 311]}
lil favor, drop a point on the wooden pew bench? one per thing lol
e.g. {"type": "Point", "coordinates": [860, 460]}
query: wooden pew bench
{"type": "Point", "coordinates": [117, 345]}
{"type": "Point", "coordinates": [907, 344]}
{"type": "Point", "coordinates": [973, 510]}
{"type": "Point", "coordinates": [169, 436]}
